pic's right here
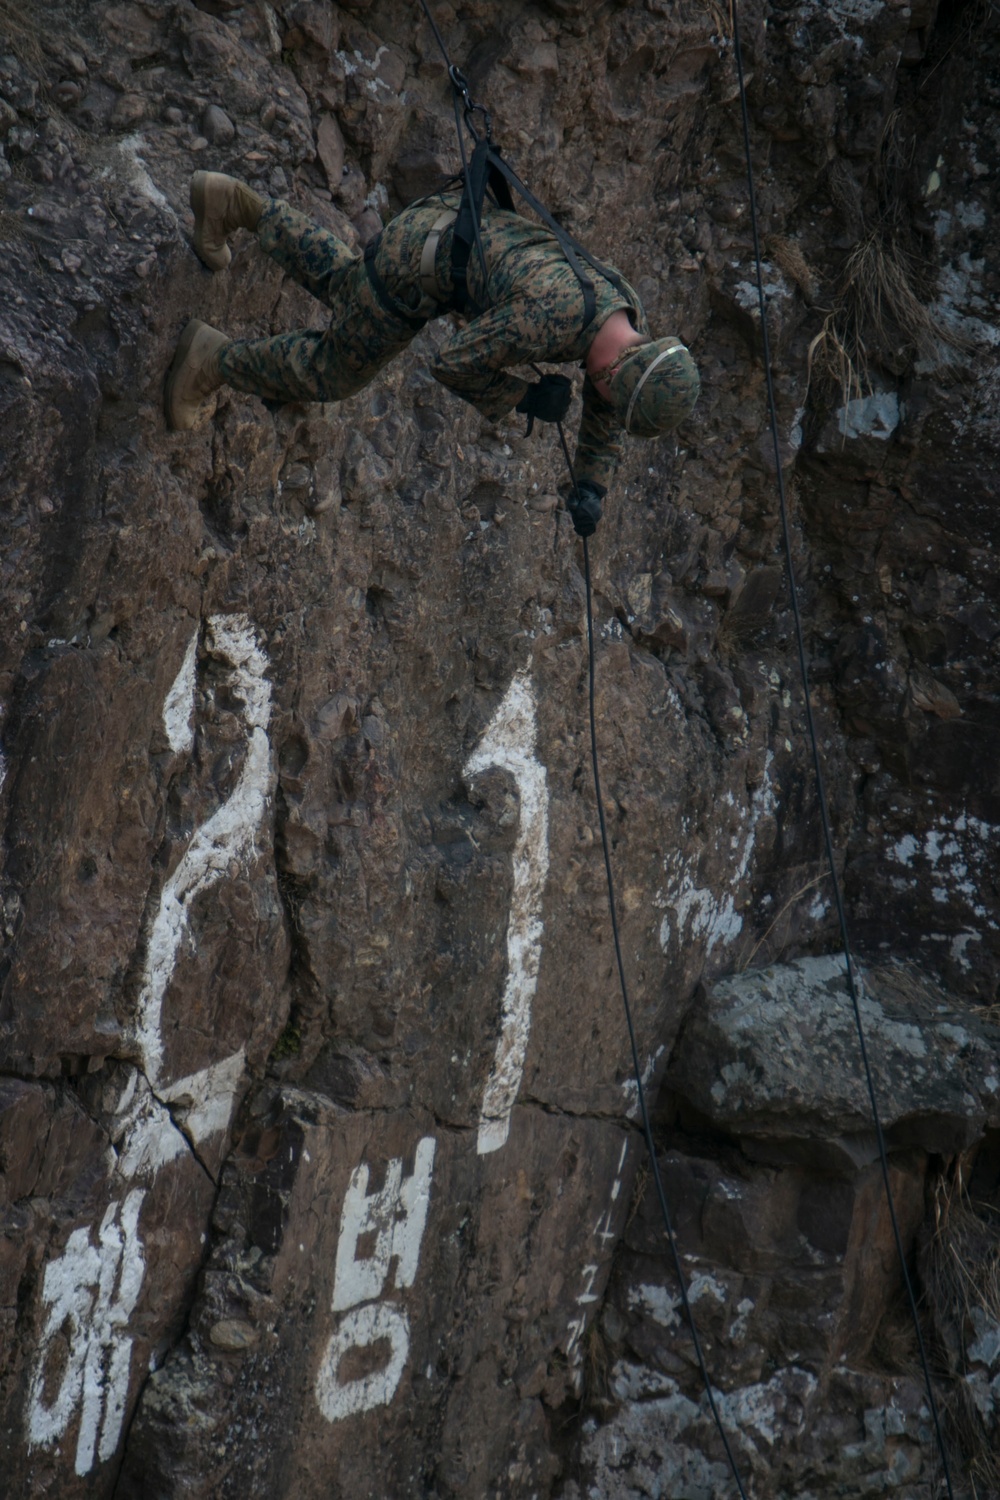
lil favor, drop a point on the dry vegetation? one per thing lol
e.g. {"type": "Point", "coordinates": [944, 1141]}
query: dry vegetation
{"type": "Point", "coordinates": [19, 31]}
{"type": "Point", "coordinates": [961, 1272]}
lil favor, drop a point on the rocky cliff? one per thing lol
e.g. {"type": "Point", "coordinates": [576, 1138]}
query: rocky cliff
{"type": "Point", "coordinates": [320, 1170]}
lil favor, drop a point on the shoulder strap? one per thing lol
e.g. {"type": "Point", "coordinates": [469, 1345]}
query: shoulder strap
{"type": "Point", "coordinates": [488, 167]}
{"type": "Point", "coordinates": [470, 214]}
{"type": "Point", "coordinates": [571, 248]}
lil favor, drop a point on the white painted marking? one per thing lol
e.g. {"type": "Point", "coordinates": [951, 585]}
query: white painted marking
{"type": "Point", "coordinates": [396, 1215]}
{"type": "Point", "coordinates": [604, 1234]}
{"type": "Point", "coordinates": [589, 1276]}
{"type": "Point", "coordinates": [146, 1137]}
{"type": "Point", "coordinates": [204, 1100]}
{"type": "Point", "coordinates": [700, 913]}
{"type": "Point", "coordinates": [360, 1328]}
{"type": "Point", "coordinates": [227, 835]}
{"type": "Point", "coordinates": [90, 1292]}
{"type": "Point", "coordinates": [576, 1328]}
{"type": "Point", "coordinates": [631, 1089]}
{"type": "Point", "coordinates": [509, 743]}
{"type": "Point", "coordinates": [178, 708]}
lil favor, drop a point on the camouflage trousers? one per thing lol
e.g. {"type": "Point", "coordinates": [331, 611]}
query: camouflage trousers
{"type": "Point", "coordinates": [308, 365]}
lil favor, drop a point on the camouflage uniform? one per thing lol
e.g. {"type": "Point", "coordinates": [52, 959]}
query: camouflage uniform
{"type": "Point", "coordinates": [534, 313]}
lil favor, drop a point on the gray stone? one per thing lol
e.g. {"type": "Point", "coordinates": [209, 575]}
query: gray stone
{"type": "Point", "coordinates": [216, 126]}
{"type": "Point", "coordinates": [773, 1055]}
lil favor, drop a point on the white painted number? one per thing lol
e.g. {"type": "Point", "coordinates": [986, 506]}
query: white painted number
{"type": "Point", "coordinates": [509, 743]}
{"type": "Point", "coordinates": [90, 1292]}
{"type": "Point", "coordinates": [606, 1234]}
{"type": "Point", "coordinates": [390, 1224]}
{"type": "Point", "coordinates": [227, 836]}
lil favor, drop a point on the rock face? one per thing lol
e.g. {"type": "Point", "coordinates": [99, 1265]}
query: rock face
{"type": "Point", "coordinates": [789, 1251]}
{"type": "Point", "coordinates": [320, 1171]}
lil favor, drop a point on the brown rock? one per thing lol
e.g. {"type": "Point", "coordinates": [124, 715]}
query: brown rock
{"type": "Point", "coordinates": [217, 127]}
{"type": "Point", "coordinates": [330, 150]}
{"type": "Point", "coordinates": [419, 172]}
{"type": "Point", "coordinates": [933, 697]}
{"type": "Point", "coordinates": [367, 224]}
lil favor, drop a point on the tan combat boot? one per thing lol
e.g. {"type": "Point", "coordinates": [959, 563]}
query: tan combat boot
{"type": "Point", "coordinates": [194, 373]}
{"type": "Point", "coordinates": [221, 204]}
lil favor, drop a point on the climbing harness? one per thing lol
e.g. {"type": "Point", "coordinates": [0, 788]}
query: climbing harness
{"type": "Point", "coordinates": [852, 983]}
{"type": "Point", "coordinates": [487, 169]}
{"type": "Point", "coordinates": [491, 160]}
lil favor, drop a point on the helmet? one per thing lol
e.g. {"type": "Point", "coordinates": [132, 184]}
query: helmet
{"type": "Point", "coordinates": [655, 387]}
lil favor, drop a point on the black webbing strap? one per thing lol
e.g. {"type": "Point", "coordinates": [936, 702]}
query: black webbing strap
{"type": "Point", "coordinates": [387, 300]}
{"type": "Point", "coordinates": [487, 165]}
{"type": "Point", "coordinates": [570, 246]}
{"type": "Point", "coordinates": [463, 235]}
{"type": "Point", "coordinates": [482, 174]}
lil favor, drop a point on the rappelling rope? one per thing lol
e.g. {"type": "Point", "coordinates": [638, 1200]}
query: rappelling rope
{"type": "Point", "coordinates": [460, 90]}
{"type": "Point", "coordinates": [647, 1128]}
{"type": "Point", "coordinates": [852, 984]}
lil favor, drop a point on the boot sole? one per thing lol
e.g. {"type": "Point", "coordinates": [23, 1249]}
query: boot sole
{"type": "Point", "coordinates": [213, 257]}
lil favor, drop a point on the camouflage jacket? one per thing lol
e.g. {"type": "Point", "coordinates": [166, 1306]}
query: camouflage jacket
{"type": "Point", "coordinates": [533, 314]}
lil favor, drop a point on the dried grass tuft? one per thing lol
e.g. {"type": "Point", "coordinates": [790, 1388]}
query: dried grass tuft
{"type": "Point", "coordinates": [643, 1177]}
{"type": "Point", "coordinates": [782, 916]}
{"type": "Point", "coordinates": [881, 314]}
{"type": "Point", "coordinates": [961, 1273]}
{"type": "Point", "coordinates": [597, 1367]}
{"type": "Point", "coordinates": [882, 304]}
{"type": "Point", "coordinates": [787, 255]}
{"type": "Point", "coordinates": [19, 31]}
{"type": "Point", "coordinates": [829, 358]}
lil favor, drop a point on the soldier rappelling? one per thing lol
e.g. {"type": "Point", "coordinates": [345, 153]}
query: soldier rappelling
{"type": "Point", "coordinates": [525, 298]}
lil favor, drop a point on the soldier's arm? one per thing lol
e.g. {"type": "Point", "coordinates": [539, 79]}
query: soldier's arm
{"type": "Point", "coordinates": [598, 446]}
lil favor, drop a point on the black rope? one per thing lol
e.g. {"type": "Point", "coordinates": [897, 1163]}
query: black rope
{"type": "Point", "coordinates": [468, 189]}
{"type": "Point", "coordinates": [460, 92]}
{"type": "Point", "coordinates": [647, 1128]}
{"type": "Point", "coordinates": [817, 764]}
{"type": "Point", "coordinates": [439, 37]}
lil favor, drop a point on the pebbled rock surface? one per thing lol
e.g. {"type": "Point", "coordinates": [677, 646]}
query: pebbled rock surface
{"type": "Point", "coordinates": [319, 1162]}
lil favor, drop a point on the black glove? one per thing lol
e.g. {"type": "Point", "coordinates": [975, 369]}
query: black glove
{"type": "Point", "coordinates": [548, 400]}
{"type": "Point", "coordinates": [584, 506]}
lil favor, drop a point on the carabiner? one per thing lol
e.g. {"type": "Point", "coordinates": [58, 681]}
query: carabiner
{"type": "Point", "coordinates": [471, 110]}
{"type": "Point", "coordinates": [460, 84]}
